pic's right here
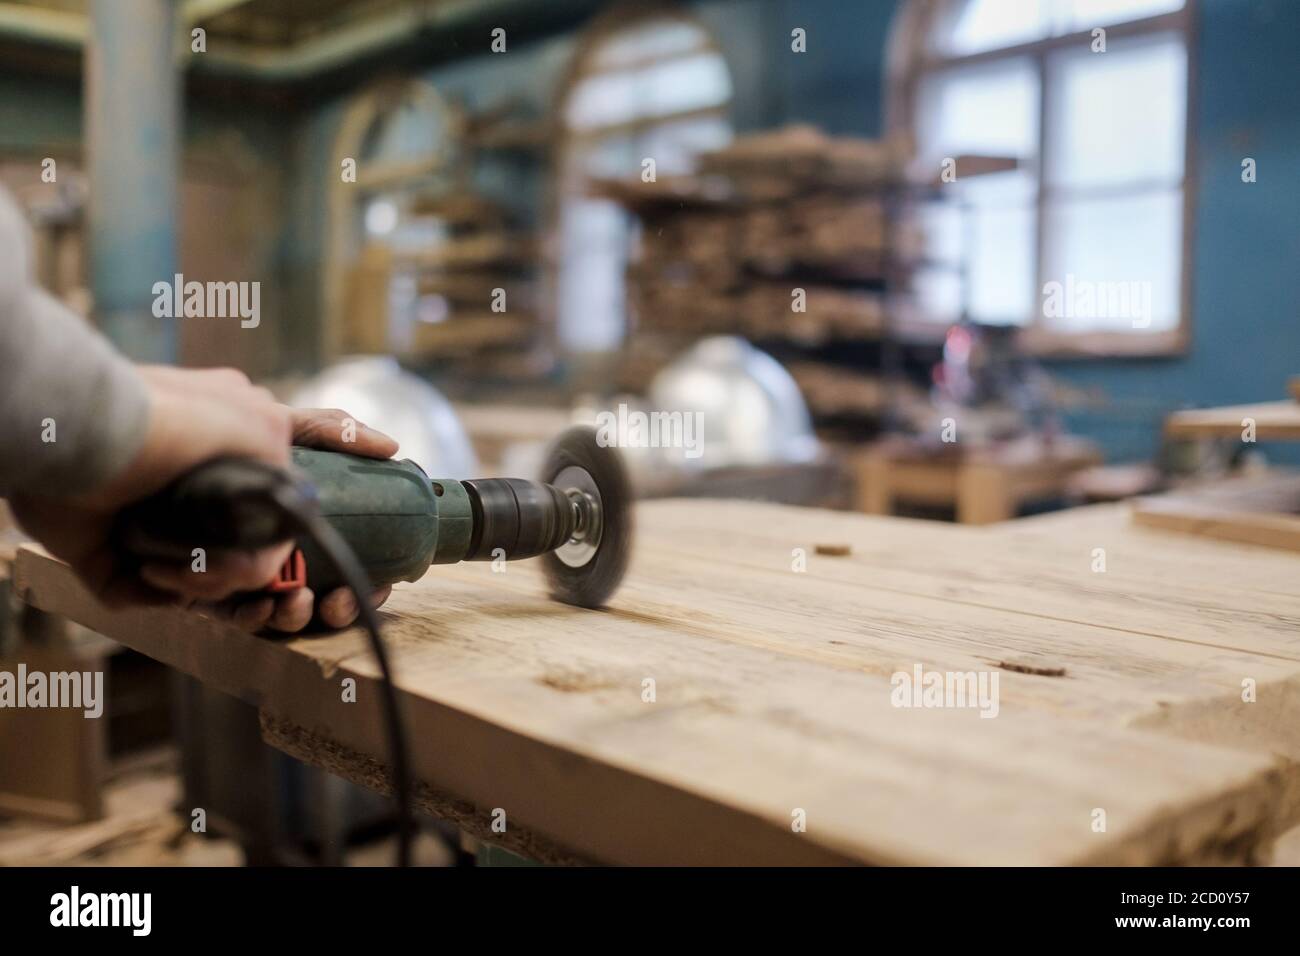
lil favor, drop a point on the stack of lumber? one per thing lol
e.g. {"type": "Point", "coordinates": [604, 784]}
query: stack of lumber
{"type": "Point", "coordinates": [724, 250]}
{"type": "Point", "coordinates": [760, 310]}
{"type": "Point", "coordinates": [485, 251]}
{"type": "Point", "coordinates": [798, 160]}
{"type": "Point", "coordinates": [787, 238]}
{"type": "Point", "coordinates": [831, 391]}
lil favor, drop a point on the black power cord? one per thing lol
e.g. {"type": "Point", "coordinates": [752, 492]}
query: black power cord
{"type": "Point", "coordinates": [301, 511]}
{"type": "Point", "coordinates": [238, 503]}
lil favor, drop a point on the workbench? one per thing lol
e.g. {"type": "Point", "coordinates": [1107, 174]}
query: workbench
{"type": "Point", "coordinates": [736, 703]}
{"type": "Point", "coordinates": [1273, 421]}
{"type": "Point", "coordinates": [982, 486]}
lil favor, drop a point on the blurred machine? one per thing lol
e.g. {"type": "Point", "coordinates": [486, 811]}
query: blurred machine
{"type": "Point", "coordinates": [748, 429]}
{"type": "Point", "coordinates": [752, 411]}
{"type": "Point", "coordinates": [998, 392]}
{"type": "Point", "coordinates": [380, 393]}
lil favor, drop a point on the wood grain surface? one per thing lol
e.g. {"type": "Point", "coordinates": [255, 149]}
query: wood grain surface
{"type": "Point", "coordinates": [1120, 692]}
{"type": "Point", "coordinates": [1273, 421]}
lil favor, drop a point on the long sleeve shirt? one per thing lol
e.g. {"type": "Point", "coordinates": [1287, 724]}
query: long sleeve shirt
{"type": "Point", "coordinates": [73, 412]}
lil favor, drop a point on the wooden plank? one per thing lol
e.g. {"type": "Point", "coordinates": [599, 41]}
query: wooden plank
{"type": "Point", "coordinates": [1263, 511]}
{"type": "Point", "coordinates": [1273, 421]}
{"type": "Point", "coordinates": [773, 691]}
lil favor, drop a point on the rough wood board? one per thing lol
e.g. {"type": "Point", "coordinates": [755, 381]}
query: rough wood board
{"type": "Point", "coordinates": [1197, 517]}
{"type": "Point", "coordinates": [1251, 509]}
{"type": "Point", "coordinates": [367, 772]}
{"type": "Point", "coordinates": [1273, 420]}
{"type": "Point", "coordinates": [773, 691]}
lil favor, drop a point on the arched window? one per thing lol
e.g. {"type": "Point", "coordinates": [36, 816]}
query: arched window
{"type": "Point", "coordinates": [408, 148]}
{"type": "Point", "coordinates": [646, 85]}
{"type": "Point", "coordinates": [403, 140]}
{"type": "Point", "coordinates": [1084, 243]}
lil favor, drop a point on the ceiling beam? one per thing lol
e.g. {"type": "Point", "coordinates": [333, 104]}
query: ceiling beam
{"type": "Point", "coordinates": [64, 28]}
{"type": "Point", "coordinates": [342, 44]}
{"type": "Point", "coordinates": [194, 12]}
{"type": "Point", "coordinates": [413, 26]}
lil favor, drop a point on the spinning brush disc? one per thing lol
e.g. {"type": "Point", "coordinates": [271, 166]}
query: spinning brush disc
{"type": "Point", "coordinates": [587, 570]}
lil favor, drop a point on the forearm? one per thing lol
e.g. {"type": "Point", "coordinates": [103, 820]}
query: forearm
{"type": "Point", "coordinates": [73, 413]}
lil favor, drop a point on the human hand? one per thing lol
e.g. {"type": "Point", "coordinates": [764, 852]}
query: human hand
{"type": "Point", "coordinates": [330, 430]}
{"type": "Point", "coordinates": [197, 415]}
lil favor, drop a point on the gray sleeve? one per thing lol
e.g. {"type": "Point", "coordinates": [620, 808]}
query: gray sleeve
{"type": "Point", "coordinates": [73, 413]}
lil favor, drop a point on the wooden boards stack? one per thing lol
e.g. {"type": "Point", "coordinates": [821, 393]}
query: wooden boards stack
{"type": "Point", "coordinates": [788, 238]}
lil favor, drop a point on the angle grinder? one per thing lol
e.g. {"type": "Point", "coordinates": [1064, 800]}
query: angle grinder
{"type": "Point", "coordinates": [397, 522]}
{"type": "Point", "coordinates": [364, 523]}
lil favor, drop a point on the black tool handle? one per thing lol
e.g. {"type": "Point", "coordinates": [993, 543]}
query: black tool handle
{"type": "Point", "coordinates": [233, 503]}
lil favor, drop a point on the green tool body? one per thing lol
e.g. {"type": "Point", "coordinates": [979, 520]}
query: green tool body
{"type": "Point", "coordinates": [398, 521]}
{"type": "Point", "coordinates": [393, 517]}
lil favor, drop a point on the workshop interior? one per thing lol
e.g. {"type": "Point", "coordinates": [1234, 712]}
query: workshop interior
{"type": "Point", "coordinates": [830, 431]}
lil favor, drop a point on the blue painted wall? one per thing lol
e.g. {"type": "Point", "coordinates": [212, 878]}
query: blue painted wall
{"type": "Point", "coordinates": [1246, 251]}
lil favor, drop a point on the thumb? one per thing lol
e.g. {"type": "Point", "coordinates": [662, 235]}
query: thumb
{"type": "Point", "coordinates": [332, 429]}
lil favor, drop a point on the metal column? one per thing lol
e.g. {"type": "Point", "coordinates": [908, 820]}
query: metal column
{"type": "Point", "coordinates": [132, 160]}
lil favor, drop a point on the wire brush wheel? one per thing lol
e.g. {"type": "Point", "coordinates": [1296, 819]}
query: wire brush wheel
{"type": "Point", "coordinates": [587, 570]}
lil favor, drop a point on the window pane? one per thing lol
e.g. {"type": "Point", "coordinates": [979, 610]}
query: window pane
{"type": "Point", "coordinates": [991, 109]}
{"type": "Point", "coordinates": [674, 145]}
{"type": "Point", "coordinates": [1086, 14]}
{"type": "Point", "coordinates": [629, 82]}
{"type": "Point", "coordinates": [659, 89]}
{"type": "Point", "coordinates": [658, 39]}
{"type": "Point", "coordinates": [938, 295]}
{"type": "Point", "coordinates": [1117, 263]}
{"type": "Point", "coordinates": [411, 129]}
{"type": "Point", "coordinates": [1117, 116]}
{"type": "Point", "coordinates": [940, 224]}
{"type": "Point", "coordinates": [1001, 277]}
{"type": "Point", "coordinates": [594, 235]}
{"type": "Point", "coordinates": [972, 26]}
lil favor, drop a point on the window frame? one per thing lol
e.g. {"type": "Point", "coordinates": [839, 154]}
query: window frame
{"type": "Point", "coordinates": [345, 202]}
{"type": "Point", "coordinates": [913, 58]}
{"type": "Point", "coordinates": [567, 139]}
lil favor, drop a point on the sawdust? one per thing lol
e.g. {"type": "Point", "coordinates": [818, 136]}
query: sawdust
{"type": "Point", "coordinates": [833, 550]}
{"type": "Point", "coordinates": [575, 682]}
{"type": "Point", "coordinates": [1031, 669]}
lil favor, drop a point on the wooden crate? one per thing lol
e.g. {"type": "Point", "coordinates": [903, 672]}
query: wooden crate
{"type": "Point", "coordinates": [983, 486]}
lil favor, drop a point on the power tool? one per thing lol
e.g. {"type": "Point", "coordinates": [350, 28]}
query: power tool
{"type": "Point", "coordinates": [363, 523]}
{"type": "Point", "coordinates": [396, 521]}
